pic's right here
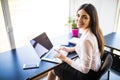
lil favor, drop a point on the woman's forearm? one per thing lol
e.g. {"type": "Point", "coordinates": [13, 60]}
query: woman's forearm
{"type": "Point", "coordinates": [71, 49]}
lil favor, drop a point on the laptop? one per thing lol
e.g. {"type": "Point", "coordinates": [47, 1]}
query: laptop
{"type": "Point", "coordinates": [45, 49]}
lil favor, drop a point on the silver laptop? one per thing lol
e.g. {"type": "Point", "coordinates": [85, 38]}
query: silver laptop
{"type": "Point", "coordinates": [44, 48]}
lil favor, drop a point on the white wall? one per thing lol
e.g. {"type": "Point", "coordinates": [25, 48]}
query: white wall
{"type": "Point", "coordinates": [106, 12]}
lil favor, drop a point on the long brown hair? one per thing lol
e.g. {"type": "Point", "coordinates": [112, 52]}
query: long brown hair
{"type": "Point", "coordinates": [94, 25]}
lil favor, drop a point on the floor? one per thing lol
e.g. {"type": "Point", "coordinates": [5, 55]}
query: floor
{"type": "Point", "coordinates": [114, 75]}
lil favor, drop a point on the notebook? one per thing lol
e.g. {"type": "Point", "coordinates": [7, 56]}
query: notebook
{"type": "Point", "coordinates": [45, 49]}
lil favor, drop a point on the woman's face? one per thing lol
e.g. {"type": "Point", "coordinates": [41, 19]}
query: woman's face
{"type": "Point", "coordinates": [83, 19]}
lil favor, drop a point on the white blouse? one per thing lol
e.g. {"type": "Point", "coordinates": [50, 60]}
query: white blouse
{"type": "Point", "coordinates": [88, 52]}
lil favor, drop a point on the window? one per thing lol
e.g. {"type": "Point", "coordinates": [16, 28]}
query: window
{"type": "Point", "coordinates": [117, 21]}
{"type": "Point", "coordinates": [31, 17]}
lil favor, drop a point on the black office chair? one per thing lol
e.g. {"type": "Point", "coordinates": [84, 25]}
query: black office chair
{"type": "Point", "coordinates": [107, 61]}
{"type": "Point", "coordinates": [106, 65]}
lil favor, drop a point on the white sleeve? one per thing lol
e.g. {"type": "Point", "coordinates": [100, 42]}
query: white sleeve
{"type": "Point", "coordinates": [84, 52]}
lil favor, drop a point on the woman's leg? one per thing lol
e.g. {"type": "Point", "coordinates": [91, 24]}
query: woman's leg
{"type": "Point", "coordinates": [51, 75]}
{"type": "Point", "coordinates": [57, 78]}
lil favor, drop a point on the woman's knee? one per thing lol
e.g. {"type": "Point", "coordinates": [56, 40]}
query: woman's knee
{"type": "Point", "coordinates": [51, 72]}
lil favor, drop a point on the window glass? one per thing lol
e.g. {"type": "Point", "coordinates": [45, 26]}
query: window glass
{"type": "Point", "coordinates": [31, 17]}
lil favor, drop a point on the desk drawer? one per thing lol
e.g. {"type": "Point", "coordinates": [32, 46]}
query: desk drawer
{"type": "Point", "coordinates": [116, 62]}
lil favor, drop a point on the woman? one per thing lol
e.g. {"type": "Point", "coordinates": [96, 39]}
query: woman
{"type": "Point", "coordinates": [89, 49]}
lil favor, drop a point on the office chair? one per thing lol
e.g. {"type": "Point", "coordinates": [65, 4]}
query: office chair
{"type": "Point", "coordinates": [106, 65]}
{"type": "Point", "coordinates": [107, 61]}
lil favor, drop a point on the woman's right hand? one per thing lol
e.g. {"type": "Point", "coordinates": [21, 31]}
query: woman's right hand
{"type": "Point", "coordinates": [67, 49]}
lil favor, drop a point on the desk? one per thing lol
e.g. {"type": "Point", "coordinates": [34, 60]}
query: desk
{"type": "Point", "coordinates": [112, 41]}
{"type": "Point", "coordinates": [11, 62]}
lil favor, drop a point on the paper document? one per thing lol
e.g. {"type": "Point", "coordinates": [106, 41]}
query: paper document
{"type": "Point", "coordinates": [74, 40]}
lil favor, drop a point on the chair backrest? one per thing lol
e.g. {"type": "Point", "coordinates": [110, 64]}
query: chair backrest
{"type": "Point", "coordinates": [106, 64]}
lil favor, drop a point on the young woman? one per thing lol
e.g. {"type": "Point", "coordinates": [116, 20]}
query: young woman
{"type": "Point", "coordinates": [89, 49]}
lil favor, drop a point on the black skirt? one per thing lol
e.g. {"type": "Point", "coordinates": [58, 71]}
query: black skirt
{"type": "Point", "coordinates": [66, 72]}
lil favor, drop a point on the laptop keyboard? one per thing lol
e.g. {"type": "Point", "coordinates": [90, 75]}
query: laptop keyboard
{"type": "Point", "coordinates": [51, 54]}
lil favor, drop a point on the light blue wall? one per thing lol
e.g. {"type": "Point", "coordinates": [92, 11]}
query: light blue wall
{"type": "Point", "coordinates": [106, 12]}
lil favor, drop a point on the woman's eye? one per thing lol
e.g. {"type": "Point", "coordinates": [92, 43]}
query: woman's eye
{"type": "Point", "coordinates": [84, 17]}
{"type": "Point", "coordinates": [78, 15]}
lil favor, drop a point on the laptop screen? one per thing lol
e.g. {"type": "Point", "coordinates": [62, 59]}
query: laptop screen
{"type": "Point", "coordinates": [41, 44]}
